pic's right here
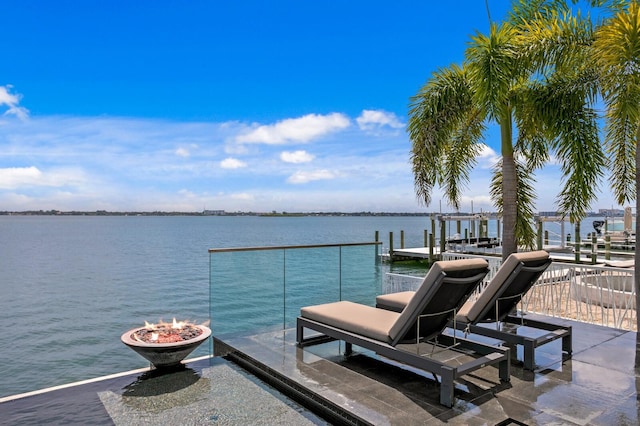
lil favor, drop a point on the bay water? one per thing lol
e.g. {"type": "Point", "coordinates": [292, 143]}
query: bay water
{"type": "Point", "coordinates": [71, 285]}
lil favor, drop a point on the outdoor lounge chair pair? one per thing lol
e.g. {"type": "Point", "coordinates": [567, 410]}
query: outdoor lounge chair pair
{"type": "Point", "coordinates": [497, 302]}
{"type": "Point", "coordinates": [444, 290]}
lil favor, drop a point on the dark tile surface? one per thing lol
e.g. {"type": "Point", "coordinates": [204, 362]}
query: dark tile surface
{"type": "Point", "coordinates": [206, 392]}
{"type": "Point", "coordinates": [597, 386]}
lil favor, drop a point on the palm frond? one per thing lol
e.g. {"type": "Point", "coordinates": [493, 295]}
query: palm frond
{"type": "Point", "coordinates": [493, 66]}
{"type": "Point", "coordinates": [439, 114]}
{"type": "Point", "coordinates": [617, 54]}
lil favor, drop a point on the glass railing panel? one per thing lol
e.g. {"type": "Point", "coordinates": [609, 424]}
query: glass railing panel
{"type": "Point", "coordinates": [312, 278]}
{"type": "Point", "coordinates": [246, 291]}
{"type": "Point", "coordinates": [260, 289]}
{"type": "Point", "coordinates": [361, 274]}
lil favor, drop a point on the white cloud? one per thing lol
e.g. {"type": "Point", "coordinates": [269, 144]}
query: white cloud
{"type": "Point", "coordinates": [296, 157]}
{"type": "Point", "coordinates": [375, 119]}
{"type": "Point", "coordinates": [183, 152]}
{"type": "Point", "coordinates": [232, 163]}
{"type": "Point", "coordinates": [308, 176]}
{"type": "Point", "coordinates": [13, 177]}
{"type": "Point", "coordinates": [488, 157]}
{"type": "Point", "coordinates": [242, 196]}
{"type": "Point", "coordinates": [95, 163]}
{"type": "Point", "coordinates": [16, 177]}
{"type": "Point", "coordinates": [12, 101]}
{"type": "Point", "coordinates": [302, 129]}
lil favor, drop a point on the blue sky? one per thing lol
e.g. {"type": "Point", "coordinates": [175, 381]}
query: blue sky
{"type": "Point", "coordinates": [237, 106]}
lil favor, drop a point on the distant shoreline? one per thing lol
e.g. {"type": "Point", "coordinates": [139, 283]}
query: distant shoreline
{"type": "Point", "coordinates": [260, 214]}
{"type": "Point", "coordinates": [161, 213]}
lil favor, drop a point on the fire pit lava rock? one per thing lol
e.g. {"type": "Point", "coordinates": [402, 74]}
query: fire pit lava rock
{"type": "Point", "coordinates": [165, 345]}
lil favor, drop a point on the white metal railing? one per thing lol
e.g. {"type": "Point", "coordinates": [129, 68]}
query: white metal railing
{"type": "Point", "coordinates": [588, 293]}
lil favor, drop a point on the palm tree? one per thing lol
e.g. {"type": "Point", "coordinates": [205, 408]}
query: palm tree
{"type": "Point", "coordinates": [617, 54]}
{"type": "Point", "coordinates": [523, 73]}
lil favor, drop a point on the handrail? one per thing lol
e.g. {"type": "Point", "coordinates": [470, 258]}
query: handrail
{"type": "Point", "coordinates": [234, 249]}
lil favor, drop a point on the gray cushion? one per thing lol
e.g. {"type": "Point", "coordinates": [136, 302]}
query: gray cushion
{"type": "Point", "coordinates": [385, 325]}
{"type": "Point", "coordinates": [394, 301]}
{"type": "Point", "coordinates": [472, 310]}
{"type": "Point", "coordinates": [361, 319]}
{"type": "Point", "coordinates": [427, 290]}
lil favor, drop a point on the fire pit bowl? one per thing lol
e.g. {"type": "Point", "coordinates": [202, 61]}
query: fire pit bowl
{"type": "Point", "coordinates": [164, 355]}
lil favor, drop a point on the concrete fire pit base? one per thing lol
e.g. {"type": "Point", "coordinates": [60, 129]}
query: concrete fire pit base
{"type": "Point", "coordinates": [165, 355]}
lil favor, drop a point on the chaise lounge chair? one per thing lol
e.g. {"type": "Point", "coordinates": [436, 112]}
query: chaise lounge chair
{"type": "Point", "coordinates": [497, 302]}
{"type": "Point", "coordinates": [445, 288]}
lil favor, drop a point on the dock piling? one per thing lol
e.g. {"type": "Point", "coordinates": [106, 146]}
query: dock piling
{"type": "Point", "coordinates": [577, 242]}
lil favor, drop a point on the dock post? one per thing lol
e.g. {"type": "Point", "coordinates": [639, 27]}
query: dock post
{"type": "Point", "coordinates": [401, 239]}
{"type": "Point", "coordinates": [539, 235]}
{"type": "Point", "coordinates": [391, 246]}
{"type": "Point", "coordinates": [594, 248]}
{"type": "Point", "coordinates": [443, 236]}
{"type": "Point", "coordinates": [607, 247]}
{"type": "Point", "coordinates": [425, 238]}
{"type": "Point", "coordinates": [431, 244]}
{"type": "Point", "coordinates": [377, 236]}
{"type": "Point", "coordinates": [546, 238]}
{"type": "Point", "coordinates": [433, 226]}
{"type": "Point", "coordinates": [577, 240]}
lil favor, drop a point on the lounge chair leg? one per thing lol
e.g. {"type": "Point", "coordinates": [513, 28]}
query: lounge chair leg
{"type": "Point", "coordinates": [348, 348]}
{"type": "Point", "coordinates": [446, 387]}
{"type": "Point", "coordinates": [529, 355]}
{"type": "Point", "coordinates": [504, 370]}
{"type": "Point", "coordinates": [513, 351]}
{"type": "Point", "coordinates": [299, 333]}
{"type": "Point", "coordinates": [566, 344]}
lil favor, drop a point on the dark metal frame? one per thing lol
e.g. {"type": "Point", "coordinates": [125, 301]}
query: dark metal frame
{"type": "Point", "coordinates": [505, 316]}
{"type": "Point", "coordinates": [489, 355]}
{"type": "Point", "coordinates": [501, 312]}
{"type": "Point", "coordinates": [528, 343]}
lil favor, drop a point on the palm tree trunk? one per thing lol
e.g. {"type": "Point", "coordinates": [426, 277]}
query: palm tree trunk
{"type": "Point", "coordinates": [509, 189]}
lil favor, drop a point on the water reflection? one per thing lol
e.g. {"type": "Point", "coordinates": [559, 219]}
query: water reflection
{"type": "Point", "coordinates": [159, 390]}
{"type": "Point", "coordinates": [159, 381]}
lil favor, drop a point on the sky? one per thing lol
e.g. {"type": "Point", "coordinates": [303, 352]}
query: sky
{"type": "Point", "coordinates": [260, 106]}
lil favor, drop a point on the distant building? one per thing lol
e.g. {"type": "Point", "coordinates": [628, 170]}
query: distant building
{"type": "Point", "coordinates": [213, 212]}
{"type": "Point", "coordinates": [549, 214]}
{"type": "Point", "coordinates": [611, 212]}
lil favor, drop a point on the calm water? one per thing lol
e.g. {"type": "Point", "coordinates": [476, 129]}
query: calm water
{"type": "Point", "coordinates": [72, 285]}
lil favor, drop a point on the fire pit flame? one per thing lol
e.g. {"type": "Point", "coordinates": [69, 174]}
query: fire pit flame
{"type": "Point", "coordinates": [166, 344]}
{"type": "Point", "coordinates": [167, 332]}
